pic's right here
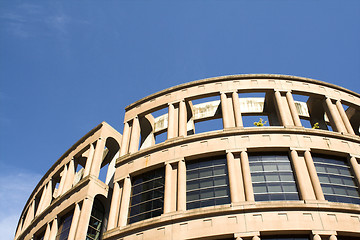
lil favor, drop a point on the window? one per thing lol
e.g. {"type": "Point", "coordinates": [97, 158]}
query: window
{"type": "Point", "coordinates": [64, 227]}
{"type": "Point", "coordinates": [272, 178]}
{"type": "Point", "coordinates": [207, 183]}
{"type": "Point", "coordinates": [147, 197]}
{"type": "Point", "coordinates": [96, 219]}
{"type": "Point", "coordinates": [336, 179]}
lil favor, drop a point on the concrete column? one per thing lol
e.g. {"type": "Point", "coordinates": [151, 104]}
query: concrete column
{"type": "Point", "coordinates": [89, 160]}
{"type": "Point", "coordinates": [48, 196]}
{"type": "Point", "coordinates": [114, 209]}
{"type": "Point", "coordinates": [41, 202]}
{"type": "Point", "coordinates": [74, 222]}
{"type": "Point", "coordinates": [237, 110]}
{"type": "Point", "coordinates": [69, 176]}
{"type": "Point", "coordinates": [125, 139]}
{"type": "Point", "coordinates": [355, 166]}
{"type": "Point", "coordinates": [332, 237]}
{"type": "Point", "coordinates": [234, 193]}
{"type": "Point", "coordinates": [255, 238]}
{"type": "Point", "coordinates": [182, 118]}
{"type": "Point", "coordinates": [54, 229]}
{"type": "Point", "coordinates": [171, 121]}
{"type": "Point", "coordinates": [313, 176]}
{"type": "Point", "coordinates": [299, 175]}
{"type": "Point", "coordinates": [30, 214]}
{"type": "Point", "coordinates": [167, 190]}
{"type": "Point", "coordinates": [344, 117]}
{"type": "Point", "coordinates": [316, 237]}
{"type": "Point", "coordinates": [135, 136]}
{"type": "Point", "coordinates": [249, 192]}
{"type": "Point", "coordinates": [98, 157]}
{"type": "Point", "coordinates": [62, 181]}
{"type": "Point", "coordinates": [181, 203]}
{"type": "Point", "coordinates": [334, 116]}
{"type": "Point", "coordinates": [280, 107]}
{"type": "Point", "coordinates": [125, 202]}
{"type": "Point", "coordinates": [293, 110]}
{"type": "Point", "coordinates": [47, 232]}
{"type": "Point", "coordinates": [225, 110]}
{"type": "Point", "coordinates": [85, 214]}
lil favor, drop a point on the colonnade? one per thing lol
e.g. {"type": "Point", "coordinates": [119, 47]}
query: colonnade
{"type": "Point", "coordinates": [284, 109]}
{"type": "Point", "coordinates": [240, 183]}
{"type": "Point", "coordinates": [61, 182]}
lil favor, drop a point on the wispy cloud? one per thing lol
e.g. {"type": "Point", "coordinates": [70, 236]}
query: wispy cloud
{"type": "Point", "coordinates": [16, 186]}
{"type": "Point", "coordinates": [31, 20]}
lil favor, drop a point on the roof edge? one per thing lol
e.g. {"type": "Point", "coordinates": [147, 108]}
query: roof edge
{"type": "Point", "coordinates": [236, 77]}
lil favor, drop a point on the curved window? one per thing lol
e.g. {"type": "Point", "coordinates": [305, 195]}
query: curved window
{"type": "Point", "coordinates": [64, 227]}
{"type": "Point", "coordinates": [272, 177]}
{"type": "Point", "coordinates": [207, 183]}
{"type": "Point", "coordinates": [96, 220]}
{"type": "Point", "coordinates": [336, 179]}
{"type": "Point", "coordinates": [147, 195]}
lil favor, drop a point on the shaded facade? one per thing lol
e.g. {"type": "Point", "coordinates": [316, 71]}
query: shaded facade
{"type": "Point", "coordinates": [234, 157]}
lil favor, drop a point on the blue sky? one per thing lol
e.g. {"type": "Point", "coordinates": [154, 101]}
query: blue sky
{"type": "Point", "coordinates": [66, 66]}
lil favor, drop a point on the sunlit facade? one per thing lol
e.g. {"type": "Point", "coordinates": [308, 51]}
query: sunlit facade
{"type": "Point", "coordinates": [233, 157]}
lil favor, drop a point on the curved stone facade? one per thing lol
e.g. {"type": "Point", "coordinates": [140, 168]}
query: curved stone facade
{"type": "Point", "coordinates": [234, 157]}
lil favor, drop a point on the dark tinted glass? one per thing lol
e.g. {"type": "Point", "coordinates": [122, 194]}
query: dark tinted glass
{"type": "Point", "coordinates": [337, 182]}
{"type": "Point", "coordinates": [272, 177]}
{"type": "Point", "coordinates": [147, 198]}
{"type": "Point", "coordinates": [207, 183]}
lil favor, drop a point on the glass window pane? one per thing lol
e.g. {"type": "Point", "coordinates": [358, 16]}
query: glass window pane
{"type": "Point", "coordinates": [212, 183]}
{"type": "Point", "coordinates": [147, 196]}
{"type": "Point", "coordinates": [337, 180]}
{"type": "Point", "coordinates": [275, 178]}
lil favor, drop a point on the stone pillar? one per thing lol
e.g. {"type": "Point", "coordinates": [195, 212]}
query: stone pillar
{"type": "Point", "coordinates": [313, 176]}
{"type": "Point", "coordinates": [54, 229]}
{"type": "Point", "coordinates": [62, 181]}
{"type": "Point", "coordinates": [280, 107]}
{"type": "Point", "coordinates": [30, 214]}
{"type": "Point", "coordinates": [299, 175]}
{"type": "Point", "coordinates": [293, 110]}
{"type": "Point", "coordinates": [167, 190]}
{"type": "Point", "coordinates": [316, 237]}
{"type": "Point", "coordinates": [69, 176]}
{"type": "Point", "coordinates": [47, 232]}
{"type": "Point", "coordinates": [234, 193]}
{"type": "Point", "coordinates": [125, 202]}
{"type": "Point", "coordinates": [237, 110]}
{"type": "Point", "coordinates": [114, 209]}
{"type": "Point", "coordinates": [344, 117]}
{"type": "Point", "coordinates": [41, 202]}
{"type": "Point", "coordinates": [135, 136]}
{"type": "Point", "coordinates": [225, 110]}
{"type": "Point", "coordinates": [182, 118]}
{"type": "Point", "coordinates": [125, 139]}
{"type": "Point", "coordinates": [255, 238]}
{"type": "Point", "coordinates": [334, 116]}
{"type": "Point", "coordinates": [332, 237]}
{"type": "Point", "coordinates": [181, 203]}
{"type": "Point", "coordinates": [74, 222]}
{"type": "Point", "coordinates": [48, 196]}
{"type": "Point", "coordinates": [355, 166]}
{"type": "Point", "coordinates": [171, 121]}
{"type": "Point", "coordinates": [249, 192]}
{"type": "Point", "coordinates": [89, 160]}
{"type": "Point", "coordinates": [85, 214]}
{"type": "Point", "coordinates": [98, 157]}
